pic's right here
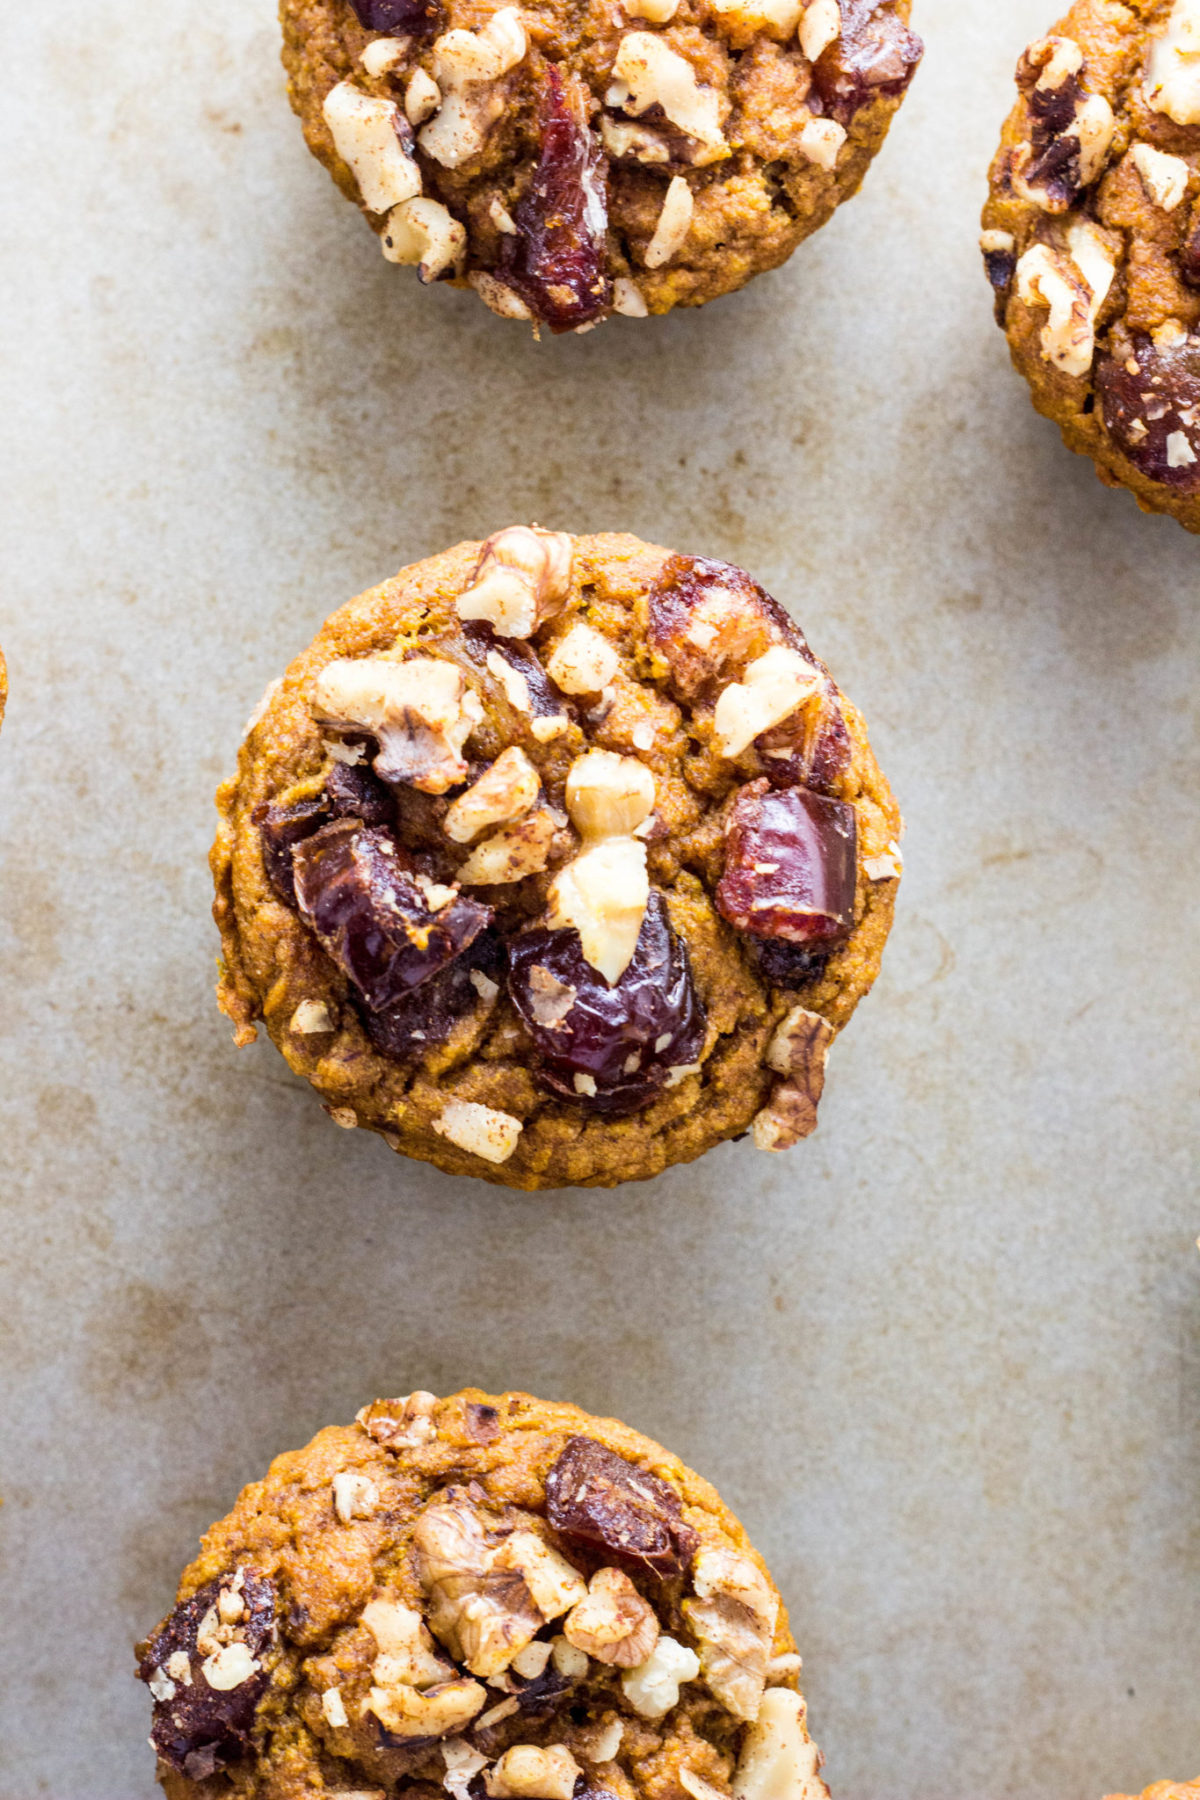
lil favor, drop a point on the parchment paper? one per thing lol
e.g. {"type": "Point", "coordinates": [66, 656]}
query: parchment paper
{"type": "Point", "coordinates": [945, 1359]}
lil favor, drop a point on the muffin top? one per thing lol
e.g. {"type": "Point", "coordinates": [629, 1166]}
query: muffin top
{"type": "Point", "coordinates": [573, 160]}
{"type": "Point", "coordinates": [557, 860]}
{"type": "Point", "coordinates": [487, 1597]}
{"type": "Point", "coordinates": [1092, 241]}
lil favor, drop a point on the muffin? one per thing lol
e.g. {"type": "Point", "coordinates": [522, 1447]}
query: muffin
{"type": "Point", "coordinates": [490, 1597]}
{"type": "Point", "coordinates": [1092, 242]}
{"type": "Point", "coordinates": [557, 861]}
{"type": "Point", "coordinates": [570, 162]}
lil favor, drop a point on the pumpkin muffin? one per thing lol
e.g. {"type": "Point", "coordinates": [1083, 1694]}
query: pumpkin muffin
{"type": "Point", "coordinates": [486, 1597]}
{"type": "Point", "coordinates": [569, 161]}
{"type": "Point", "coordinates": [1092, 241]}
{"type": "Point", "coordinates": [557, 861]}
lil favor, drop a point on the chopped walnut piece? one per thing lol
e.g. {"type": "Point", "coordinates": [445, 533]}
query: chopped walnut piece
{"type": "Point", "coordinates": [407, 1654]}
{"type": "Point", "coordinates": [674, 223]}
{"type": "Point", "coordinates": [311, 1018]}
{"type": "Point", "coordinates": [400, 1424]}
{"type": "Point", "coordinates": [1165, 178]}
{"type": "Point", "coordinates": [608, 795]}
{"type": "Point", "coordinates": [778, 1759]}
{"type": "Point", "coordinates": [603, 893]}
{"type": "Point", "coordinates": [422, 97]}
{"type": "Point", "coordinates": [382, 55]}
{"type": "Point", "coordinates": [733, 1619]}
{"type": "Point", "coordinates": [583, 662]}
{"type": "Point", "coordinates": [421, 712]}
{"type": "Point", "coordinates": [333, 1708]}
{"type": "Point", "coordinates": [571, 1664]}
{"type": "Point", "coordinates": [491, 1590]}
{"type": "Point", "coordinates": [497, 296]}
{"type": "Point", "coordinates": [888, 866]}
{"type": "Point", "coordinates": [514, 851]}
{"type": "Point", "coordinates": [820, 27]}
{"type": "Point", "coordinates": [366, 135]}
{"type": "Point", "coordinates": [229, 1666]}
{"type": "Point", "coordinates": [522, 578]}
{"type": "Point", "coordinates": [412, 1713]}
{"type": "Point", "coordinates": [613, 1624]}
{"type": "Point", "coordinates": [1071, 130]}
{"type": "Point", "coordinates": [653, 1688]}
{"type": "Point", "coordinates": [774, 687]}
{"type": "Point", "coordinates": [550, 999]}
{"type": "Point", "coordinates": [483, 1131]}
{"type": "Point", "coordinates": [355, 1496]}
{"type": "Point", "coordinates": [1074, 289]}
{"type": "Point", "coordinates": [504, 792]}
{"type": "Point", "coordinates": [425, 233]}
{"type": "Point", "coordinates": [531, 1662]}
{"type": "Point", "coordinates": [821, 140]}
{"type": "Point", "coordinates": [628, 299]}
{"type": "Point", "coordinates": [698, 1788]}
{"type": "Point", "coordinates": [658, 12]}
{"type": "Point", "coordinates": [1173, 67]}
{"type": "Point", "coordinates": [526, 1772]}
{"type": "Point", "coordinates": [463, 63]}
{"type": "Point", "coordinates": [648, 73]}
{"type": "Point", "coordinates": [799, 1050]}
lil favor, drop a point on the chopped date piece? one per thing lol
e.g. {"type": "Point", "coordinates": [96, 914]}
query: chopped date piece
{"type": "Point", "coordinates": [427, 1016]}
{"type": "Point", "coordinates": [1189, 253]}
{"type": "Point", "coordinates": [1153, 415]}
{"type": "Point", "coordinates": [348, 791]}
{"type": "Point", "coordinates": [787, 965]}
{"type": "Point", "coordinates": [791, 860]}
{"type": "Point", "coordinates": [200, 1729]}
{"type": "Point", "coordinates": [361, 896]}
{"type": "Point", "coordinates": [600, 1498]}
{"type": "Point", "coordinates": [558, 259]}
{"type": "Point", "coordinates": [354, 792]}
{"type": "Point", "coordinates": [1055, 164]}
{"type": "Point", "coordinates": [483, 1422]}
{"type": "Point", "coordinates": [540, 1694]}
{"type": "Point", "coordinates": [280, 829]}
{"type": "Point", "coordinates": [1001, 266]}
{"type": "Point", "coordinates": [708, 620]}
{"type": "Point", "coordinates": [411, 18]}
{"type": "Point", "coordinates": [621, 1042]}
{"type": "Point", "coordinates": [818, 755]}
{"type": "Point", "coordinates": [876, 56]}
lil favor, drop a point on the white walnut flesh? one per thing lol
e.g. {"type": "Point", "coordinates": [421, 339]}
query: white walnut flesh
{"type": "Point", "coordinates": [421, 713]}
{"type": "Point", "coordinates": [424, 233]}
{"type": "Point", "coordinates": [604, 893]}
{"type": "Point", "coordinates": [526, 1772]}
{"type": "Point", "coordinates": [652, 1689]}
{"type": "Point", "coordinates": [774, 686]}
{"type": "Point", "coordinates": [366, 135]}
{"type": "Point", "coordinates": [481, 1131]}
{"type": "Point", "coordinates": [608, 795]}
{"type": "Point", "coordinates": [778, 1759]}
{"type": "Point", "coordinates": [647, 72]}
{"type": "Point", "coordinates": [613, 1624]}
{"type": "Point", "coordinates": [522, 578]}
{"type": "Point", "coordinates": [1173, 67]}
{"type": "Point", "coordinates": [504, 792]}
{"type": "Point", "coordinates": [466, 65]}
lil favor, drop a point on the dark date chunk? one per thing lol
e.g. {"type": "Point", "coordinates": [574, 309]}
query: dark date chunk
{"type": "Point", "coordinates": [1000, 266]}
{"type": "Point", "coordinates": [1153, 414]}
{"type": "Point", "coordinates": [600, 1498]}
{"type": "Point", "coordinates": [545, 699]}
{"type": "Point", "coordinates": [427, 1016]}
{"type": "Point", "coordinates": [201, 1729]}
{"type": "Point", "coordinates": [708, 620]}
{"type": "Point", "coordinates": [875, 57]}
{"type": "Point", "coordinates": [790, 966]}
{"type": "Point", "coordinates": [558, 260]}
{"type": "Point", "coordinates": [791, 861]}
{"type": "Point", "coordinates": [625, 1038]}
{"type": "Point", "coordinates": [359, 893]}
{"type": "Point", "coordinates": [412, 18]}
{"type": "Point", "coordinates": [349, 792]}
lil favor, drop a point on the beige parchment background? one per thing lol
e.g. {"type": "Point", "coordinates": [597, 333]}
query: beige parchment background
{"type": "Point", "coordinates": [945, 1360]}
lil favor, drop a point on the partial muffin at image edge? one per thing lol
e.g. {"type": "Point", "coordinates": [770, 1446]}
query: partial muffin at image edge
{"type": "Point", "coordinates": [1165, 1790]}
{"type": "Point", "coordinates": [485, 1597]}
{"type": "Point", "coordinates": [1091, 241]}
{"type": "Point", "coordinates": [570, 163]}
{"type": "Point", "coordinates": [557, 861]}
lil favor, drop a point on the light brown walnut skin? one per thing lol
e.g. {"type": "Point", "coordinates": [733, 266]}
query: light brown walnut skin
{"type": "Point", "coordinates": [285, 1528]}
{"type": "Point", "coordinates": [736, 233]}
{"type": "Point", "coordinates": [1113, 38]}
{"type": "Point", "coordinates": [272, 962]}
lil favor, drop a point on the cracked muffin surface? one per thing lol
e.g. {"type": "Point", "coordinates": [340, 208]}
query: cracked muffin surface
{"type": "Point", "coordinates": [572, 161]}
{"type": "Point", "coordinates": [1091, 240]}
{"type": "Point", "coordinates": [557, 861]}
{"type": "Point", "coordinates": [486, 1597]}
